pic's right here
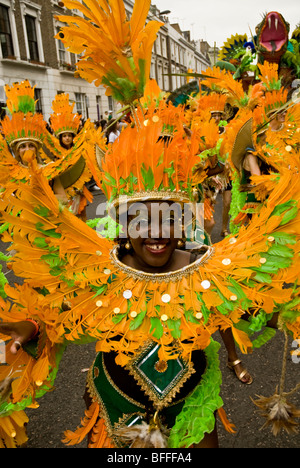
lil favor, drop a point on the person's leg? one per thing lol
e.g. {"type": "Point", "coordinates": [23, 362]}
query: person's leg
{"type": "Point", "coordinates": [209, 225]}
{"type": "Point", "coordinates": [234, 363]}
{"type": "Point", "coordinates": [225, 212]}
{"type": "Point", "coordinates": [209, 440]}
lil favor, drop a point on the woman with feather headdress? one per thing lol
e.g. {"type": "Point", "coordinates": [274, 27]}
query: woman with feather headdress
{"type": "Point", "coordinates": [151, 307]}
{"type": "Point", "coordinates": [65, 124]}
{"type": "Point", "coordinates": [25, 137]}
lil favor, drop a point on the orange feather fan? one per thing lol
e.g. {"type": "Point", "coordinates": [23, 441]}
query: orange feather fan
{"type": "Point", "coordinates": [116, 51]}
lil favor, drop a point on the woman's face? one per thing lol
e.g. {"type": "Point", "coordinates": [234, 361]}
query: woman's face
{"type": "Point", "coordinates": [154, 230]}
{"type": "Point", "coordinates": [217, 117]}
{"type": "Point", "coordinates": [277, 121]}
{"type": "Point", "coordinates": [23, 147]}
{"type": "Point", "coordinates": [67, 139]}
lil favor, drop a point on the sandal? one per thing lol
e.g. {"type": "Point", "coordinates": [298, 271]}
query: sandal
{"type": "Point", "coordinates": [231, 366]}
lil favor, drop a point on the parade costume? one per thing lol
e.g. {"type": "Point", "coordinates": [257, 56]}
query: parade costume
{"type": "Point", "coordinates": [26, 125]}
{"type": "Point", "coordinates": [156, 327]}
{"type": "Point", "coordinates": [203, 109]}
{"type": "Point", "coordinates": [64, 120]}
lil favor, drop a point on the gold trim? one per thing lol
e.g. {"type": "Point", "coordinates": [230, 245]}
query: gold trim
{"type": "Point", "coordinates": [112, 383]}
{"type": "Point", "coordinates": [39, 141]}
{"type": "Point", "coordinates": [96, 397]}
{"type": "Point", "coordinates": [199, 383]}
{"type": "Point", "coordinates": [143, 196]}
{"type": "Point", "coordinates": [146, 383]}
{"type": "Point", "coordinates": [92, 390]}
{"type": "Point", "coordinates": [121, 424]}
{"type": "Point", "coordinates": [161, 277]}
{"type": "Point", "coordinates": [61, 132]}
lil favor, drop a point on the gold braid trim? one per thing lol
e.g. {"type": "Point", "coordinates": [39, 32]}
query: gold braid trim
{"type": "Point", "coordinates": [161, 277]}
{"type": "Point", "coordinates": [146, 383]}
{"type": "Point", "coordinates": [96, 397]}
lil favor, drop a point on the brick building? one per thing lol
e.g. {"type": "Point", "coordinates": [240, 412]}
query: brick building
{"type": "Point", "coordinates": [28, 50]}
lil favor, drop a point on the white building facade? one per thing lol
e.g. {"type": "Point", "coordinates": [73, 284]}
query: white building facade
{"type": "Point", "coordinates": [28, 50]}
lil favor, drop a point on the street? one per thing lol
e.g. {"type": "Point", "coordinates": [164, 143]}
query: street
{"type": "Point", "coordinates": [63, 408]}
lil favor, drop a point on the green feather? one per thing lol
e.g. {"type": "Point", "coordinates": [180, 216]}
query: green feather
{"type": "Point", "coordinates": [26, 104]}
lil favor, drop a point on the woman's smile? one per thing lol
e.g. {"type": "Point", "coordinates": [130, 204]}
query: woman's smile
{"type": "Point", "coordinates": [156, 247]}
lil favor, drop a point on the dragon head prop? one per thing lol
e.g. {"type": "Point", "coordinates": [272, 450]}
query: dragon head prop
{"type": "Point", "coordinates": [272, 37]}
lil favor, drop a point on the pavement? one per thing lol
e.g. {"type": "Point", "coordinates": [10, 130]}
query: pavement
{"type": "Point", "coordinates": [63, 408]}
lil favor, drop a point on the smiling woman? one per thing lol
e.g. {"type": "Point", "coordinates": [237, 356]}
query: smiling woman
{"type": "Point", "coordinates": [154, 235]}
{"type": "Point", "coordinates": [151, 307]}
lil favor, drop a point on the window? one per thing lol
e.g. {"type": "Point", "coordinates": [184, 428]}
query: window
{"type": "Point", "coordinates": [5, 33]}
{"type": "Point", "coordinates": [80, 103]}
{"type": "Point", "coordinates": [152, 70]}
{"type": "Point", "coordinates": [31, 14]}
{"type": "Point", "coordinates": [38, 99]}
{"type": "Point", "coordinates": [110, 104]}
{"type": "Point", "coordinates": [61, 50]}
{"type": "Point", "coordinates": [32, 38]}
{"type": "Point", "coordinates": [166, 78]}
{"type": "Point", "coordinates": [159, 72]}
{"type": "Point", "coordinates": [163, 46]}
{"type": "Point", "coordinates": [158, 45]}
{"type": "Point", "coordinates": [99, 107]}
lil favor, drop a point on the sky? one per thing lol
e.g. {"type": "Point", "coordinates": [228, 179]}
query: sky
{"type": "Point", "coordinates": [217, 20]}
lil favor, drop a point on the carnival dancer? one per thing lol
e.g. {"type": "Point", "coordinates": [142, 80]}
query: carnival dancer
{"type": "Point", "coordinates": [24, 132]}
{"type": "Point", "coordinates": [205, 119]}
{"type": "Point", "coordinates": [151, 307]}
{"type": "Point", "coordinates": [149, 294]}
{"type": "Point", "coordinates": [216, 103]}
{"type": "Point", "coordinates": [65, 125]}
{"type": "Point", "coordinates": [202, 109]}
{"type": "Point", "coordinates": [250, 154]}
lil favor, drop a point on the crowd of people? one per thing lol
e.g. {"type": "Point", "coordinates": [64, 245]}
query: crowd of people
{"type": "Point", "coordinates": [153, 296]}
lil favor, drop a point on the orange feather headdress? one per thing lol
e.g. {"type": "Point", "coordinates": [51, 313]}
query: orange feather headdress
{"type": "Point", "coordinates": [24, 124]}
{"type": "Point", "coordinates": [275, 95]}
{"type": "Point", "coordinates": [140, 165]}
{"type": "Point", "coordinates": [214, 102]}
{"type": "Point", "coordinates": [63, 119]}
{"type": "Point", "coordinates": [275, 100]}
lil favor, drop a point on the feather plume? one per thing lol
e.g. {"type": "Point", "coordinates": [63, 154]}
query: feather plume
{"type": "Point", "coordinates": [279, 413]}
{"type": "Point", "coordinates": [144, 436]}
{"type": "Point", "coordinates": [117, 52]}
{"type": "Point", "coordinates": [99, 437]}
{"type": "Point", "coordinates": [89, 421]}
{"type": "Point", "coordinates": [12, 430]}
{"type": "Point", "coordinates": [227, 425]}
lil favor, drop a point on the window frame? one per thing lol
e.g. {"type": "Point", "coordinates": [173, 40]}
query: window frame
{"type": "Point", "coordinates": [10, 4]}
{"type": "Point", "coordinates": [7, 34]}
{"type": "Point", "coordinates": [34, 10]}
{"type": "Point", "coordinates": [30, 22]}
{"type": "Point", "coordinates": [82, 101]}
